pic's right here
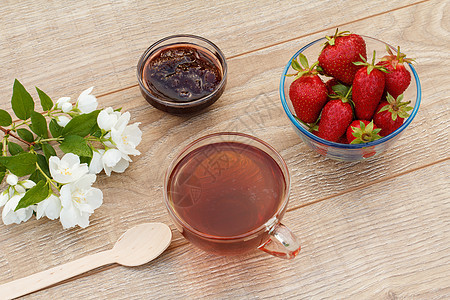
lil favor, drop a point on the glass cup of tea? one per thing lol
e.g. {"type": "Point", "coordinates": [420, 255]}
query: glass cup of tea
{"type": "Point", "coordinates": [227, 193]}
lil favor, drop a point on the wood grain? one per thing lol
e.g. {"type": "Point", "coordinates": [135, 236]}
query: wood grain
{"type": "Point", "coordinates": [64, 48]}
{"type": "Point", "coordinates": [365, 244]}
{"type": "Point", "coordinates": [361, 239]}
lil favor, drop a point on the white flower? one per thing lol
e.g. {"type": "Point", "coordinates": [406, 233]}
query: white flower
{"type": "Point", "coordinates": [10, 216]}
{"type": "Point", "coordinates": [16, 187]}
{"type": "Point", "coordinates": [62, 120]}
{"type": "Point", "coordinates": [79, 200]}
{"type": "Point", "coordinates": [28, 184]}
{"type": "Point", "coordinates": [12, 179]}
{"type": "Point", "coordinates": [67, 169]}
{"type": "Point", "coordinates": [64, 104]}
{"type": "Point", "coordinates": [50, 208]}
{"type": "Point", "coordinates": [111, 160]}
{"type": "Point", "coordinates": [96, 164]}
{"type": "Point", "coordinates": [4, 197]}
{"type": "Point", "coordinates": [86, 102]}
{"type": "Point", "coordinates": [126, 137]}
{"type": "Point", "coordinates": [107, 118]}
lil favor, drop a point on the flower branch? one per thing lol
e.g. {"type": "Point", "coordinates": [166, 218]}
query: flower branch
{"type": "Point", "coordinates": [61, 188]}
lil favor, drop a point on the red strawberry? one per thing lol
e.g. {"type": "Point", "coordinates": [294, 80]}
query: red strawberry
{"type": "Point", "coordinates": [362, 131]}
{"type": "Point", "coordinates": [342, 140]}
{"type": "Point", "coordinates": [398, 77]}
{"type": "Point", "coordinates": [390, 114]}
{"type": "Point", "coordinates": [308, 93]}
{"type": "Point", "coordinates": [368, 87]}
{"type": "Point", "coordinates": [329, 84]}
{"type": "Point", "coordinates": [336, 116]}
{"type": "Point", "coordinates": [340, 51]}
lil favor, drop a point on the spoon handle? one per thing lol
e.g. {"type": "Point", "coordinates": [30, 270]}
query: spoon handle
{"type": "Point", "coordinates": [38, 281]}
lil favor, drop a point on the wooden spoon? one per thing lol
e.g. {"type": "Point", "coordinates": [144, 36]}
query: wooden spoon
{"type": "Point", "coordinates": [135, 247]}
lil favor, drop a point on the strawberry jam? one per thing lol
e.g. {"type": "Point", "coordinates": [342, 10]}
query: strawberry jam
{"type": "Point", "coordinates": [181, 73]}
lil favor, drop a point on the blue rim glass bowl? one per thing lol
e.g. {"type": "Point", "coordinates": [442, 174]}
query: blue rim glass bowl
{"type": "Point", "coordinates": [347, 152]}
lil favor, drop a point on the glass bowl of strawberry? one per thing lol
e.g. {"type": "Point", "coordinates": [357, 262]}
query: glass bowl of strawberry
{"type": "Point", "coordinates": [354, 97]}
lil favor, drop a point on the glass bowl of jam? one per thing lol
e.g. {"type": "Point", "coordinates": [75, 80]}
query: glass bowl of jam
{"type": "Point", "coordinates": [182, 74]}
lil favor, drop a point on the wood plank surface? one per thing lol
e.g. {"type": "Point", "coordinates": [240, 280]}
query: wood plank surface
{"type": "Point", "coordinates": [377, 229]}
{"type": "Point", "coordinates": [365, 244]}
{"type": "Point", "coordinates": [63, 48]}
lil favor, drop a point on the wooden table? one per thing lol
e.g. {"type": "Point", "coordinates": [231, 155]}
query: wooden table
{"type": "Point", "coordinates": [377, 229]}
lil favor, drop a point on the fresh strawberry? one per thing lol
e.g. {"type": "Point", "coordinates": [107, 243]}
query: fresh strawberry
{"type": "Point", "coordinates": [342, 140]}
{"type": "Point", "coordinates": [329, 84]}
{"type": "Point", "coordinates": [340, 51]}
{"type": "Point", "coordinates": [362, 131]}
{"type": "Point", "coordinates": [368, 87]}
{"type": "Point", "coordinates": [390, 114]}
{"type": "Point", "coordinates": [307, 93]}
{"type": "Point", "coordinates": [336, 116]}
{"type": "Point", "coordinates": [398, 77]}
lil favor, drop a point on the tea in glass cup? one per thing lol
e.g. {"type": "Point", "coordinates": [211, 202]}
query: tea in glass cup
{"type": "Point", "coordinates": [227, 193]}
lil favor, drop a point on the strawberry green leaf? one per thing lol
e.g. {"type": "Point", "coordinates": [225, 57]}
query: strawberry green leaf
{"type": "Point", "coordinates": [303, 60]}
{"type": "Point", "coordinates": [384, 108]}
{"type": "Point", "coordinates": [295, 65]}
{"type": "Point", "coordinates": [394, 116]}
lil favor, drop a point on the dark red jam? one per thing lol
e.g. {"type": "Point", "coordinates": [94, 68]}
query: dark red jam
{"type": "Point", "coordinates": [181, 73]}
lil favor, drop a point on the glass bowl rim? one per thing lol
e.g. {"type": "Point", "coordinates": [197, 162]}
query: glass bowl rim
{"type": "Point", "coordinates": [317, 139]}
{"type": "Point", "coordinates": [196, 102]}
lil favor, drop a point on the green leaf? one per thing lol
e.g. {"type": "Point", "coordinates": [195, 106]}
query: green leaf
{"type": "Point", "coordinates": [295, 65]}
{"type": "Point", "coordinates": [340, 89]}
{"type": "Point", "coordinates": [85, 159]}
{"type": "Point", "coordinates": [14, 148]}
{"type": "Point", "coordinates": [43, 164]}
{"type": "Point", "coordinates": [34, 195]}
{"type": "Point", "coordinates": [46, 102]}
{"type": "Point", "coordinates": [303, 60]}
{"type": "Point", "coordinates": [384, 108]}
{"type": "Point", "coordinates": [55, 129]}
{"type": "Point", "coordinates": [25, 134]}
{"type": "Point", "coordinates": [39, 124]}
{"type": "Point", "coordinates": [22, 103]}
{"type": "Point", "coordinates": [2, 173]}
{"type": "Point", "coordinates": [81, 125]}
{"type": "Point", "coordinates": [21, 164]}
{"type": "Point", "coordinates": [5, 118]}
{"type": "Point", "coordinates": [97, 133]}
{"type": "Point", "coordinates": [76, 145]}
{"type": "Point", "coordinates": [48, 150]}
{"type": "Point", "coordinates": [36, 176]}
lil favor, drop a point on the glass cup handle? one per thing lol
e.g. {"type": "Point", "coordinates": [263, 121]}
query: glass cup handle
{"type": "Point", "coordinates": [282, 243]}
